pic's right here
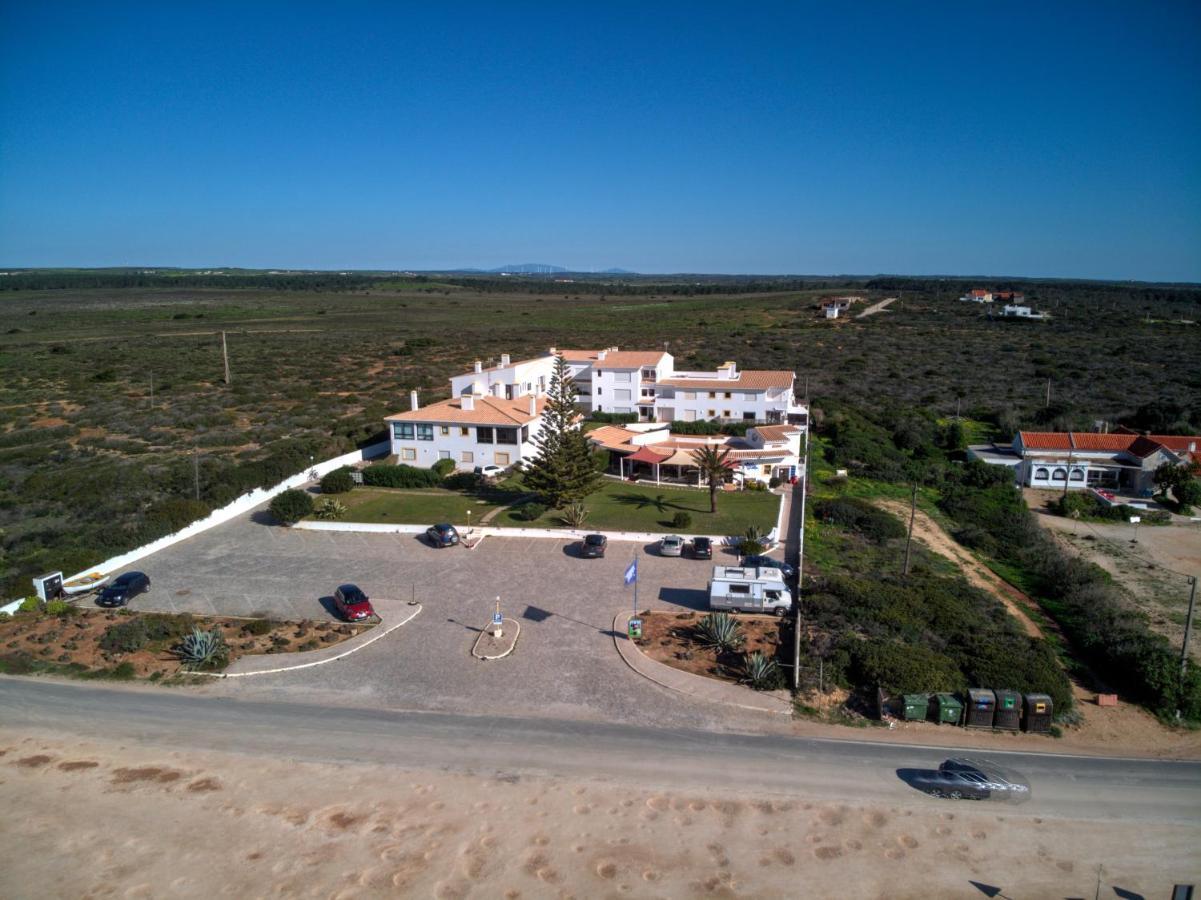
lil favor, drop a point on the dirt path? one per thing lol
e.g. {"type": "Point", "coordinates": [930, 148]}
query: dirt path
{"type": "Point", "coordinates": [979, 575]}
{"type": "Point", "coordinates": [878, 307]}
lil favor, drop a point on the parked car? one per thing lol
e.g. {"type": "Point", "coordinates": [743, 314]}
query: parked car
{"type": "Point", "coordinates": [123, 588]}
{"type": "Point", "coordinates": [489, 471]}
{"type": "Point", "coordinates": [766, 562]}
{"type": "Point", "coordinates": [352, 604]}
{"type": "Point", "coordinates": [442, 535]}
{"type": "Point", "coordinates": [593, 546]}
{"type": "Point", "coordinates": [969, 779]}
{"type": "Point", "coordinates": [702, 548]}
{"type": "Point", "coordinates": [671, 545]}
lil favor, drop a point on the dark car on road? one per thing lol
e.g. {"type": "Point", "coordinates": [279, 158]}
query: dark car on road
{"type": "Point", "coordinates": [593, 546]}
{"type": "Point", "coordinates": [970, 779]}
{"type": "Point", "coordinates": [352, 604]}
{"type": "Point", "coordinates": [124, 588]}
{"type": "Point", "coordinates": [442, 535]}
{"type": "Point", "coordinates": [702, 548]}
{"type": "Point", "coordinates": [766, 562]}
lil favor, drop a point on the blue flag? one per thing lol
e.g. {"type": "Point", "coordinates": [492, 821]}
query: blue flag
{"type": "Point", "coordinates": [631, 573]}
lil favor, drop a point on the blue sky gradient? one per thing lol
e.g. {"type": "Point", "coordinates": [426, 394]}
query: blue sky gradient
{"type": "Point", "coordinates": [1025, 139]}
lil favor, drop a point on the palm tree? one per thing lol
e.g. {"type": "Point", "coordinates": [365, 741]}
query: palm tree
{"type": "Point", "coordinates": [713, 464]}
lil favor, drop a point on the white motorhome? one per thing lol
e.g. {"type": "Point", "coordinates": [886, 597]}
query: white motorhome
{"type": "Point", "coordinates": [745, 589]}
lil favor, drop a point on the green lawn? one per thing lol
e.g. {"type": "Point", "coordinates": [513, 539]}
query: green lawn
{"type": "Point", "coordinates": [426, 507]}
{"type": "Point", "coordinates": [619, 506]}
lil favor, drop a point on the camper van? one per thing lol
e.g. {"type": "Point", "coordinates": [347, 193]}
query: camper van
{"type": "Point", "coordinates": [746, 589]}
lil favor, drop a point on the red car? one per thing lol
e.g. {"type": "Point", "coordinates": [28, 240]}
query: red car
{"type": "Point", "coordinates": [352, 604]}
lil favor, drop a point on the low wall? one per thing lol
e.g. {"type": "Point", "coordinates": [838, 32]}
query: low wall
{"type": "Point", "coordinates": [562, 534]}
{"type": "Point", "coordinates": [242, 505]}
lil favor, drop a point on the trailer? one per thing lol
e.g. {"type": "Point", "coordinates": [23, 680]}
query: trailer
{"type": "Point", "coordinates": [749, 589]}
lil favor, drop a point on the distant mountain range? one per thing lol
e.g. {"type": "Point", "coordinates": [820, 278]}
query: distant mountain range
{"type": "Point", "coordinates": [541, 269]}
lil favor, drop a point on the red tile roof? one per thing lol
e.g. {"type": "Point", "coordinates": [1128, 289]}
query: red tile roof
{"type": "Point", "coordinates": [1090, 441]}
{"type": "Point", "coordinates": [487, 411]}
{"type": "Point", "coordinates": [629, 359]}
{"type": "Point", "coordinates": [1045, 440]}
{"type": "Point", "coordinates": [1125, 440]}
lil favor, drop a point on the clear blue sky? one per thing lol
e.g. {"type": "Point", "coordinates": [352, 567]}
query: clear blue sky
{"type": "Point", "coordinates": [1028, 138]}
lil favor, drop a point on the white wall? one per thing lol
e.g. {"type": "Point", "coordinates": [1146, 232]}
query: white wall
{"type": "Point", "coordinates": [456, 443]}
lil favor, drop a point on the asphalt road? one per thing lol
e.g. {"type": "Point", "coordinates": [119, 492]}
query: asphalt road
{"type": "Point", "coordinates": [776, 765]}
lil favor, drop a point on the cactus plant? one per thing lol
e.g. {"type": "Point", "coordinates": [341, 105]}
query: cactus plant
{"type": "Point", "coordinates": [328, 508]}
{"type": "Point", "coordinates": [575, 514]}
{"type": "Point", "coordinates": [203, 649]}
{"type": "Point", "coordinates": [762, 672]}
{"type": "Point", "coordinates": [720, 632]}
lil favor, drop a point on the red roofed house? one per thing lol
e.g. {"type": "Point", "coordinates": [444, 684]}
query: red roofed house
{"type": "Point", "coordinates": [1125, 462]}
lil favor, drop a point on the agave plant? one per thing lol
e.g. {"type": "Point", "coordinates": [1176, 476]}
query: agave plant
{"type": "Point", "coordinates": [202, 649]}
{"type": "Point", "coordinates": [720, 632]}
{"type": "Point", "coordinates": [761, 670]}
{"type": "Point", "coordinates": [329, 508]}
{"type": "Point", "coordinates": [575, 514]}
{"type": "Point", "coordinates": [754, 541]}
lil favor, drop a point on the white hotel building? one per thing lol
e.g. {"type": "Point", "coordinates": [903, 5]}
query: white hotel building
{"type": "Point", "coordinates": [494, 412]}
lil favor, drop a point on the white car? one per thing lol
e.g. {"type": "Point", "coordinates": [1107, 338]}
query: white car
{"type": "Point", "coordinates": [672, 545]}
{"type": "Point", "coordinates": [489, 471]}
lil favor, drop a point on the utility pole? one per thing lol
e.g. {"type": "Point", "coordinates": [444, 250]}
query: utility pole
{"type": "Point", "coordinates": [1067, 477]}
{"type": "Point", "coordinates": [1048, 402]}
{"type": "Point", "coordinates": [800, 565]}
{"type": "Point", "coordinates": [152, 390]}
{"type": "Point", "coordinates": [958, 400]}
{"type": "Point", "coordinates": [196, 471]}
{"type": "Point", "coordinates": [1188, 627]}
{"type": "Point", "coordinates": [912, 517]}
{"type": "Point", "coordinates": [225, 356]}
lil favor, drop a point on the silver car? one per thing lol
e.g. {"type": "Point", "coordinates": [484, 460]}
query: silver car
{"type": "Point", "coordinates": [672, 545]}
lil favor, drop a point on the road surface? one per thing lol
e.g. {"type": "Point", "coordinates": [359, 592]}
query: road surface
{"type": "Point", "coordinates": [1112, 790]}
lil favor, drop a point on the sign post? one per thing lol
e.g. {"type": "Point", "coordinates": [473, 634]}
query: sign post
{"type": "Point", "coordinates": [498, 622]}
{"type": "Point", "coordinates": [1134, 520]}
{"type": "Point", "coordinates": [631, 577]}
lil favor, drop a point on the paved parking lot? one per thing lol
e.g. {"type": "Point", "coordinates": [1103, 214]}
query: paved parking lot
{"type": "Point", "coordinates": [565, 663]}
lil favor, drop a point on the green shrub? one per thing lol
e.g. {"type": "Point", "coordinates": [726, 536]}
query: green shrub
{"type": "Point", "coordinates": [762, 672]}
{"type": "Point", "coordinates": [681, 520]}
{"type": "Point", "coordinates": [328, 508]}
{"type": "Point", "coordinates": [903, 668]}
{"type": "Point", "coordinates": [575, 514]}
{"type": "Point", "coordinates": [859, 516]}
{"type": "Point", "coordinates": [462, 481]}
{"type": "Point", "coordinates": [30, 604]}
{"type": "Point", "coordinates": [337, 482]}
{"type": "Point", "coordinates": [62, 609]}
{"type": "Point", "coordinates": [291, 506]}
{"type": "Point", "coordinates": [402, 476]}
{"type": "Point", "coordinates": [528, 512]}
{"type": "Point", "coordinates": [125, 637]}
{"type": "Point", "coordinates": [259, 626]}
{"type": "Point", "coordinates": [614, 418]}
{"type": "Point", "coordinates": [443, 467]}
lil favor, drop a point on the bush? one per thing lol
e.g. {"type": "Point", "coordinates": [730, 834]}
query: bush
{"type": "Point", "coordinates": [462, 481]}
{"type": "Point", "coordinates": [125, 637]}
{"type": "Point", "coordinates": [861, 517]}
{"type": "Point", "coordinates": [291, 506]}
{"type": "Point", "coordinates": [528, 512]}
{"type": "Point", "coordinates": [328, 508]}
{"type": "Point", "coordinates": [30, 604]}
{"type": "Point", "coordinates": [613, 418]}
{"type": "Point", "coordinates": [443, 467]}
{"type": "Point", "coordinates": [259, 627]}
{"type": "Point", "coordinates": [681, 520]}
{"type": "Point", "coordinates": [575, 515]}
{"type": "Point", "coordinates": [62, 608]}
{"type": "Point", "coordinates": [337, 482]}
{"type": "Point", "coordinates": [402, 476]}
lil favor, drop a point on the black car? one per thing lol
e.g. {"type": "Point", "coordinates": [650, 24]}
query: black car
{"type": "Point", "coordinates": [702, 548]}
{"type": "Point", "coordinates": [969, 779]}
{"type": "Point", "coordinates": [124, 588]}
{"type": "Point", "coordinates": [593, 546]}
{"type": "Point", "coordinates": [766, 562]}
{"type": "Point", "coordinates": [442, 535]}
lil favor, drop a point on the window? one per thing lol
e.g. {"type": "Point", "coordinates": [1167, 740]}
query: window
{"type": "Point", "coordinates": [648, 392]}
{"type": "Point", "coordinates": [599, 390]}
{"type": "Point", "coordinates": [621, 377]}
{"type": "Point", "coordinates": [725, 414]}
{"type": "Point", "coordinates": [1077, 475]}
{"type": "Point", "coordinates": [466, 456]}
{"type": "Point", "coordinates": [506, 435]}
{"type": "Point", "coordinates": [1059, 474]}
{"type": "Point", "coordinates": [443, 454]}
{"type": "Point", "coordinates": [1041, 474]}
{"type": "Point", "coordinates": [408, 453]}
{"type": "Point", "coordinates": [402, 431]}
{"type": "Point", "coordinates": [621, 395]}
{"type": "Point", "coordinates": [729, 395]}
{"type": "Point", "coordinates": [748, 417]}
{"type": "Point", "coordinates": [740, 589]}
{"type": "Point", "coordinates": [690, 415]}
{"type": "Point", "coordinates": [464, 431]}
{"type": "Point", "coordinates": [712, 414]}
{"type": "Point", "coordinates": [483, 434]}
{"type": "Point", "coordinates": [689, 395]}
{"type": "Point", "coordinates": [502, 459]}
{"type": "Point", "coordinates": [713, 395]}
{"type": "Point", "coordinates": [445, 429]}
{"type": "Point", "coordinates": [425, 432]}
{"type": "Point", "coordinates": [525, 433]}
{"type": "Point", "coordinates": [648, 374]}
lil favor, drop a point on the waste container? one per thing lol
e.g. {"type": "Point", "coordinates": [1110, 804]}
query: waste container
{"type": "Point", "coordinates": [981, 707]}
{"type": "Point", "coordinates": [1038, 712]}
{"type": "Point", "coordinates": [916, 707]}
{"type": "Point", "coordinates": [1009, 710]}
{"type": "Point", "coordinates": [948, 708]}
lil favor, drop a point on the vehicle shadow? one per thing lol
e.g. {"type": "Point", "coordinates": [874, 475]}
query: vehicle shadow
{"type": "Point", "coordinates": [916, 777]}
{"type": "Point", "coordinates": [327, 603]}
{"type": "Point", "coordinates": [689, 598]}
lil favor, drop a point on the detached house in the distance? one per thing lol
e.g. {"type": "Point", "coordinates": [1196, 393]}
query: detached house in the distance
{"type": "Point", "coordinates": [495, 412]}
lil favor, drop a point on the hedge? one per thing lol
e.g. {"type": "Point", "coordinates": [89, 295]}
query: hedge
{"type": "Point", "coordinates": [402, 476]}
{"type": "Point", "coordinates": [337, 482]}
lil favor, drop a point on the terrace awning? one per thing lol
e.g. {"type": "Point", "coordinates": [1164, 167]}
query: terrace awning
{"type": "Point", "coordinates": [647, 455]}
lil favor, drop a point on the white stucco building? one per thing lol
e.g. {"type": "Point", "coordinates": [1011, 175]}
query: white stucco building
{"type": "Point", "coordinates": [469, 430]}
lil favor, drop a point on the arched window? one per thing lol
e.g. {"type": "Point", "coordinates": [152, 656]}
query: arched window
{"type": "Point", "coordinates": [1041, 474]}
{"type": "Point", "coordinates": [1059, 474]}
{"type": "Point", "coordinates": [1077, 475]}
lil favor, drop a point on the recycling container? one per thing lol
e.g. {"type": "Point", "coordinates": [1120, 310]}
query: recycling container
{"type": "Point", "coordinates": [1009, 710]}
{"type": "Point", "coordinates": [916, 707]}
{"type": "Point", "coordinates": [948, 708]}
{"type": "Point", "coordinates": [1038, 712]}
{"type": "Point", "coordinates": [981, 707]}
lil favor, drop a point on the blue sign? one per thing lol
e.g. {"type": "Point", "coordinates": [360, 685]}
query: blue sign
{"type": "Point", "coordinates": [631, 574]}
{"type": "Point", "coordinates": [497, 619]}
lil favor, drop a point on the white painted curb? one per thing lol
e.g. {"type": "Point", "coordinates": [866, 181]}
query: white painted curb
{"type": "Point", "coordinates": [507, 623]}
{"type": "Point", "coordinates": [320, 662]}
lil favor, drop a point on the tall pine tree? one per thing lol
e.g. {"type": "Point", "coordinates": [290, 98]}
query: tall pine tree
{"type": "Point", "coordinates": [564, 468]}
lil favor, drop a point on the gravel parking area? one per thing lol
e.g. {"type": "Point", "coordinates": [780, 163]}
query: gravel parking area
{"type": "Point", "coordinates": [565, 664]}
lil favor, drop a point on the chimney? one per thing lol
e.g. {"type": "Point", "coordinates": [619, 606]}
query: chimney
{"type": "Point", "coordinates": [467, 402]}
{"type": "Point", "coordinates": [601, 354]}
{"type": "Point", "coordinates": [504, 360]}
{"type": "Point", "coordinates": [553, 351]}
{"type": "Point", "coordinates": [479, 367]}
{"type": "Point", "coordinates": [533, 405]}
{"type": "Point", "coordinates": [1192, 446]}
{"type": "Point", "coordinates": [413, 404]}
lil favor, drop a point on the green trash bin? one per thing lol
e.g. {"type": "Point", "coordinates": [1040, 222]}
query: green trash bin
{"type": "Point", "coordinates": [949, 709]}
{"type": "Point", "coordinates": [916, 707]}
